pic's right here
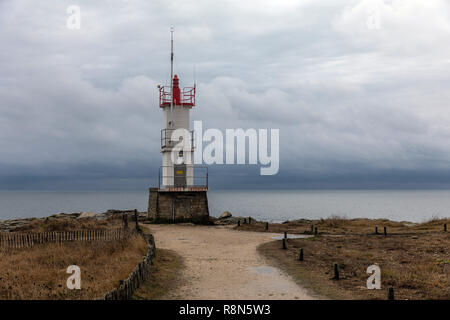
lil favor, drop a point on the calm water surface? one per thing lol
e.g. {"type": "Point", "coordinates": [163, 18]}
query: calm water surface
{"type": "Point", "coordinates": [270, 205]}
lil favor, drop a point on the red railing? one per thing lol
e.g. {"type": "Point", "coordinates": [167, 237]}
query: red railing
{"type": "Point", "coordinates": [187, 96]}
{"type": "Point", "coordinates": [164, 95]}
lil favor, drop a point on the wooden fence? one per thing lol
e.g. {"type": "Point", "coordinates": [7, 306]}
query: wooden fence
{"type": "Point", "coordinates": [18, 240]}
{"type": "Point", "coordinates": [140, 273]}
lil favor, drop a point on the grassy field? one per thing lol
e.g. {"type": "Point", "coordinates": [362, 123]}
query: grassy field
{"type": "Point", "coordinates": [40, 272]}
{"type": "Point", "coordinates": [414, 258]}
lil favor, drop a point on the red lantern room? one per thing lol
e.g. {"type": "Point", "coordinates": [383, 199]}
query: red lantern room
{"type": "Point", "coordinates": [185, 97]}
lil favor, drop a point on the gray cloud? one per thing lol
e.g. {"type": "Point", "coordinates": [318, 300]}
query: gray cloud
{"type": "Point", "coordinates": [81, 105]}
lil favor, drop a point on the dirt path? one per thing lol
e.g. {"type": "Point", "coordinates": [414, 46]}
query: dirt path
{"type": "Point", "coordinates": [221, 263]}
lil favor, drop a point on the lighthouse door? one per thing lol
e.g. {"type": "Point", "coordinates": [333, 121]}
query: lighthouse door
{"type": "Point", "coordinates": [180, 175]}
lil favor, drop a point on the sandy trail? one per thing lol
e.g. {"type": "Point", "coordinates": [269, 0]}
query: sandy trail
{"type": "Point", "coordinates": [221, 263]}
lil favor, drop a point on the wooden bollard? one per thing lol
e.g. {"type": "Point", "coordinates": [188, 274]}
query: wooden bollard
{"type": "Point", "coordinates": [316, 231]}
{"type": "Point", "coordinates": [300, 257]}
{"type": "Point", "coordinates": [376, 230]}
{"type": "Point", "coordinates": [125, 220]}
{"type": "Point", "coordinates": [239, 223]}
{"type": "Point", "coordinates": [391, 295]}
{"type": "Point", "coordinates": [336, 272]}
{"type": "Point", "coordinates": [267, 226]}
{"type": "Point", "coordinates": [445, 227]}
{"type": "Point", "coordinates": [136, 221]}
{"type": "Point", "coordinates": [385, 231]}
{"type": "Point", "coordinates": [284, 243]}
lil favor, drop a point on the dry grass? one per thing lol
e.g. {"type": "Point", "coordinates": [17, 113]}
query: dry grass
{"type": "Point", "coordinates": [417, 266]}
{"type": "Point", "coordinates": [164, 277]}
{"type": "Point", "coordinates": [339, 225]}
{"type": "Point", "coordinates": [68, 224]}
{"type": "Point", "coordinates": [40, 272]}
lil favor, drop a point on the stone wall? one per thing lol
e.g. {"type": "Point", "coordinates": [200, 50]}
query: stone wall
{"type": "Point", "coordinates": [188, 206]}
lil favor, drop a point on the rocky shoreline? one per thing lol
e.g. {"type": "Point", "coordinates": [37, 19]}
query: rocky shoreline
{"type": "Point", "coordinates": [15, 225]}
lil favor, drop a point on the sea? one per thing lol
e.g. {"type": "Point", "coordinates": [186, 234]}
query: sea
{"type": "Point", "coordinates": [265, 205]}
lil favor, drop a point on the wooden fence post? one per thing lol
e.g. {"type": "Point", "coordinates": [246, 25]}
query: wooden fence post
{"type": "Point", "coordinates": [138, 230]}
{"type": "Point", "coordinates": [267, 226]}
{"type": "Point", "coordinates": [125, 221]}
{"type": "Point", "coordinates": [385, 231]}
{"type": "Point", "coordinates": [336, 272]}
{"type": "Point", "coordinates": [284, 243]}
{"type": "Point", "coordinates": [391, 295]}
{"type": "Point", "coordinates": [300, 257]}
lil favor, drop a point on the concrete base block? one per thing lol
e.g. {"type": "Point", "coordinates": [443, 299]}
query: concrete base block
{"type": "Point", "coordinates": [170, 207]}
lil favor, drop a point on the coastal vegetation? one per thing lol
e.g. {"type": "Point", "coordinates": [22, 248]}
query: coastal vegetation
{"type": "Point", "coordinates": [414, 258]}
{"type": "Point", "coordinates": [40, 272]}
{"type": "Point", "coordinates": [165, 276]}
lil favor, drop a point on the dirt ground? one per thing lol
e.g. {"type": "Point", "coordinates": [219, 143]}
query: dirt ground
{"type": "Point", "coordinates": [222, 263]}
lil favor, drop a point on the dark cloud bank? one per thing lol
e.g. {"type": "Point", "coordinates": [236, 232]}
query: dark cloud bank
{"type": "Point", "coordinates": [356, 107]}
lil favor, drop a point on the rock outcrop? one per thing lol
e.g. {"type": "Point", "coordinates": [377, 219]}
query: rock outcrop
{"type": "Point", "coordinates": [225, 214]}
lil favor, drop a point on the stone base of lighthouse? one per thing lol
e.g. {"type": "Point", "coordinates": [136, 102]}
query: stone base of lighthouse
{"type": "Point", "coordinates": [182, 206]}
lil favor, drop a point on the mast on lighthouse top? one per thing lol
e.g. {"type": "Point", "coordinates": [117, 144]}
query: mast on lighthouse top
{"type": "Point", "coordinates": [173, 95]}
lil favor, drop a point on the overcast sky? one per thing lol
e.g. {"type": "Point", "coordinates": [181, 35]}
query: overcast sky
{"type": "Point", "coordinates": [359, 89]}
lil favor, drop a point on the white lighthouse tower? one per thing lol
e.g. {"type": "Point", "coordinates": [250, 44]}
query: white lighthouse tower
{"type": "Point", "coordinates": [177, 140]}
{"type": "Point", "coordinates": [181, 193]}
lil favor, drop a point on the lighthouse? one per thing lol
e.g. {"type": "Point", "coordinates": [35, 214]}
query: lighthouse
{"type": "Point", "coordinates": [177, 140]}
{"type": "Point", "coordinates": [181, 195]}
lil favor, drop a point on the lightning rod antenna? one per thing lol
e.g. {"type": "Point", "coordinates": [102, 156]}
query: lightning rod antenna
{"type": "Point", "coordinates": [171, 77]}
{"type": "Point", "coordinates": [195, 80]}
